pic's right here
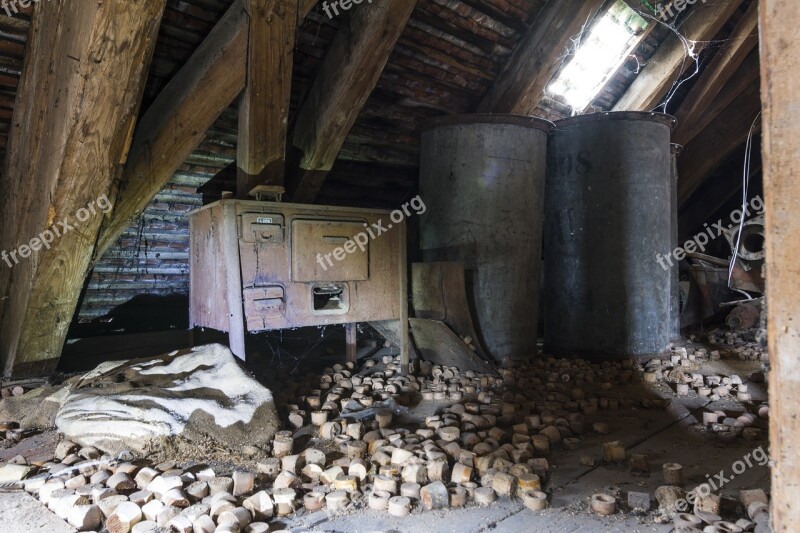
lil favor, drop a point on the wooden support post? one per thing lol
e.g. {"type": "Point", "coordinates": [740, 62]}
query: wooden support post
{"type": "Point", "coordinates": [80, 91]}
{"type": "Point", "coordinates": [350, 331]}
{"type": "Point", "coordinates": [780, 62]}
{"type": "Point", "coordinates": [264, 106]}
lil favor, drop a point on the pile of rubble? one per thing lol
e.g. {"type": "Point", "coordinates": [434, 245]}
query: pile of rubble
{"type": "Point", "coordinates": [490, 437]}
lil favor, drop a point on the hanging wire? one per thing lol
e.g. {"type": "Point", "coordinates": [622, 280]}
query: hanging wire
{"type": "Point", "coordinates": [745, 186]}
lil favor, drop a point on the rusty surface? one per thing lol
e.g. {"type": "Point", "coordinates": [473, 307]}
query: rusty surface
{"type": "Point", "coordinates": [438, 292]}
{"type": "Point", "coordinates": [280, 275]}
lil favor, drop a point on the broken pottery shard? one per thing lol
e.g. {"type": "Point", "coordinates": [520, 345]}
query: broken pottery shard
{"type": "Point", "coordinates": [194, 394]}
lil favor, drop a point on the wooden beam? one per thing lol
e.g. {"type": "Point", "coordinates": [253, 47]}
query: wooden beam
{"type": "Point", "coordinates": [345, 79]}
{"type": "Point", "coordinates": [780, 62]}
{"type": "Point", "coordinates": [80, 90]}
{"type": "Point", "coordinates": [743, 40]}
{"type": "Point", "coordinates": [726, 132]}
{"type": "Point", "coordinates": [521, 85]}
{"type": "Point", "coordinates": [264, 106]}
{"type": "Point", "coordinates": [739, 82]}
{"type": "Point", "coordinates": [671, 58]}
{"type": "Point", "coordinates": [176, 122]}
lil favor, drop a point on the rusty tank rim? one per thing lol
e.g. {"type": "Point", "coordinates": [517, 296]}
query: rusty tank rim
{"type": "Point", "coordinates": [661, 118]}
{"type": "Point", "coordinates": [524, 121]}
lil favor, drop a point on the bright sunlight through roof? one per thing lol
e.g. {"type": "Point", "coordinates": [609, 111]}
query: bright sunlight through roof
{"type": "Point", "coordinates": [598, 56]}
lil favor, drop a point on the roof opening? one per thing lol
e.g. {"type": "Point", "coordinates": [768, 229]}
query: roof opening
{"type": "Point", "coordinates": [610, 40]}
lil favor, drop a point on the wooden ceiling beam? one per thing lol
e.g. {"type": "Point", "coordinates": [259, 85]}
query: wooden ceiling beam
{"type": "Point", "coordinates": [79, 94]}
{"type": "Point", "coordinates": [671, 58]}
{"type": "Point", "coordinates": [345, 78]}
{"type": "Point", "coordinates": [264, 105]}
{"type": "Point", "coordinates": [521, 85]}
{"type": "Point", "coordinates": [725, 63]}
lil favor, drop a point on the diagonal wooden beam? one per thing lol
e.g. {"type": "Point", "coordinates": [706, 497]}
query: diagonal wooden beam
{"type": "Point", "coordinates": [723, 135]}
{"type": "Point", "coordinates": [671, 58]}
{"type": "Point", "coordinates": [345, 79]}
{"type": "Point", "coordinates": [80, 91]}
{"type": "Point", "coordinates": [521, 85]}
{"type": "Point", "coordinates": [176, 122]}
{"type": "Point", "coordinates": [743, 40]}
{"type": "Point", "coordinates": [264, 106]}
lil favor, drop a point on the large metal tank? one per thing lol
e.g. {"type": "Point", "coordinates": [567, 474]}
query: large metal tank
{"type": "Point", "coordinates": [482, 180]}
{"type": "Point", "coordinates": [608, 218]}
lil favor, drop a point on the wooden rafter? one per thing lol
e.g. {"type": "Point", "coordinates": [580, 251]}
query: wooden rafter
{"type": "Point", "coordinates": [726, 62]}
{"type": "Point", "coordinates": [671, 58]}
{"type": "Point", "coordinates": [345, 79]}
{"type": "Point", "coordinates": [521, 85]}
{"type": "Point", "coordinates": [80, 92]}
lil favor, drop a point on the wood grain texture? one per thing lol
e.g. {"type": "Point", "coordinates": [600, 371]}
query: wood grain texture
{"type": "Point", "coordinates": [82, 87]}
{"type": "Point", "coordinates": [520, 87]}
{"type": "Point", "coordinates": [780, 62]}
{"type": "Point", "coordinates": [672, 58]}
{"type": "Point", "coordinates": [344, 80]}
{"type": "Point", "coordinates": [264, 106]}
{"type": "Point", "coordinates": [177, 120]}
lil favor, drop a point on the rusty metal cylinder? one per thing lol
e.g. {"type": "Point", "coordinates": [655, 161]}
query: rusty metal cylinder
{"type": "Point", "coordinates": [608, 220]}
{"type": "Point", "coordinates": [482, 179]}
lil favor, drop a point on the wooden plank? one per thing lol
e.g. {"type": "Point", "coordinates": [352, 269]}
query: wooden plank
{"type": "Point", "coordinates": [177, 120]}
{"type": "Point", "coordinates": [344, 81]}
{"type": "Point", "coordinates": [743, 40]}
{"type": "Point", "coordinates": [521, 85]}
{"type": "Point", "coordinates": [81, 88]}
{"type": "Point", "coordinates": [671, 58]}
{"type": "Point", "coordinates": [726, 133]}
{"type": "Point", "coordinates": [264, 106]}
{"type": "Point", "coordinates": [780, 62]}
